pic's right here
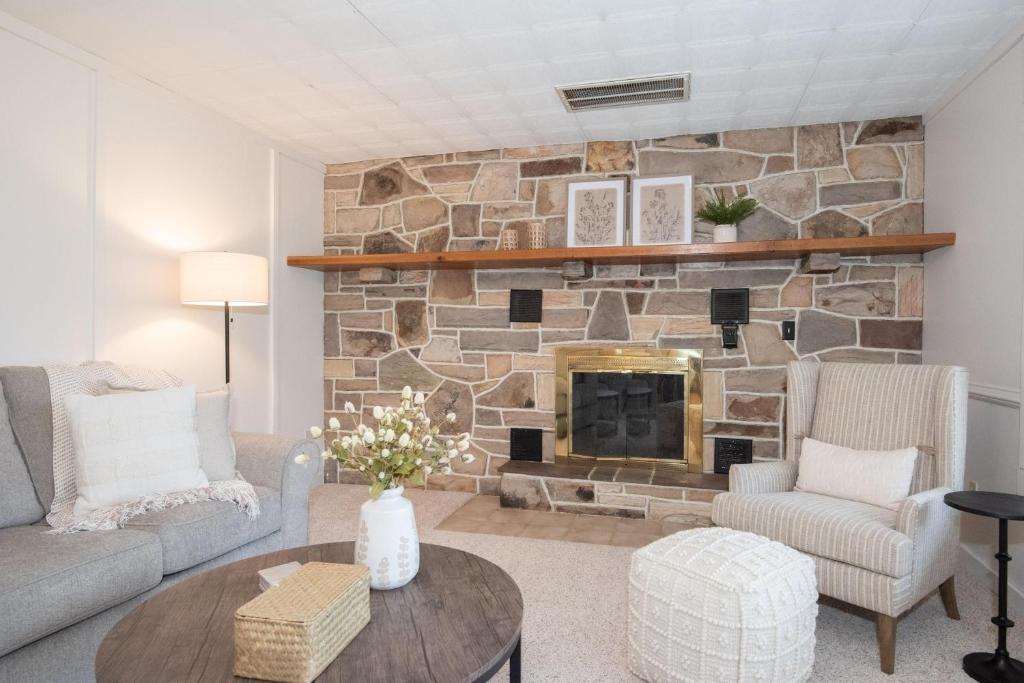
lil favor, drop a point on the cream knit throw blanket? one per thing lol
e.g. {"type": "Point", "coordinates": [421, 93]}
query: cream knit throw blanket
{"type": "Point", "coordinates": [92, 379]}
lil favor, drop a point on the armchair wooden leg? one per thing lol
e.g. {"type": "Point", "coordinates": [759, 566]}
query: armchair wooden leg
{"type": "Point", "coordinates": [948, 592]}
{"type": "Point", "coordinates": [885, 627]}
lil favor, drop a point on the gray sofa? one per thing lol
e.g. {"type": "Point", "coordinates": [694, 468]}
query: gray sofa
{"type": "Point", "coordinates": [60, 594]}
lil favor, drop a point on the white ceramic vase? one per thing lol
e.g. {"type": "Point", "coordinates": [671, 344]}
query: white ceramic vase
{"type": "Point", "coordinates": [388, 543]}
{"type": "Point", "coordinates": [725, 233]}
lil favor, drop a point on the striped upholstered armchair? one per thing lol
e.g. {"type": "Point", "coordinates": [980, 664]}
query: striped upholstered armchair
{"type": "Point", "coordinates": [880, 559]}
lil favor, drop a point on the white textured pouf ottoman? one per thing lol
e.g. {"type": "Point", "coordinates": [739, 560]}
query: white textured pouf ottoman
{"type": "Point", "coordinates": [721, 605]}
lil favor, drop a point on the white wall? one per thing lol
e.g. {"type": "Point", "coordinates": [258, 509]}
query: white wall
{"type": "Point", "coordinates": [46, 161]}
{"type": "Point", "coordinates": [113, 179]}
{"type": "Point", "coordinates": [298, 293]}
{"type": "Point", "coordinates": [974, 292]}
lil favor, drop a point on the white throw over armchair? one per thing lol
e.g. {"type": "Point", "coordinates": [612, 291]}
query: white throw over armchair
{"type": "Point", "coordinates": [881, 559]}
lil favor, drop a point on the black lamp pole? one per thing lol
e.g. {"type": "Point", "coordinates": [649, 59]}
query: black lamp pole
{"type": "Point", "coordinates": [227, 342]}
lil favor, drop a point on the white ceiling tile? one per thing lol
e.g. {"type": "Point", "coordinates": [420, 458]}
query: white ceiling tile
{"type": "Point", "coordinates": [855, 68]}
{"type": "Point", "coordinates": [339, 29]}
{"type": "Point", "coordinates": [405, 23]}
{"type": "Point", "coordinates": [370, 78]}
{"type": "Point", "coordinates": [956, 31]}
{"type": "Point", "coordinates": [724, 54]}
{"type": "Point", "coordinates": [785, 16]}
{"type": "Point", "coordinates": [771, 97]}
{"type": "Point", "coordinates": [718, 20]}
{"type": "Point", "coordinates": [793, 47]}
{"type": "Point", "coordinates": [867, 39]}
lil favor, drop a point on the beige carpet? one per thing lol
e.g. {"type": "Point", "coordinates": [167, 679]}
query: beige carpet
{"type": "Point", "coordinates": [575, 599]}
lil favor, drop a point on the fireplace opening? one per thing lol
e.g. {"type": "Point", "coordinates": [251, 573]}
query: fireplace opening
{"type": "Point", "coordinates": [631, 414]}
{"type": "Point", "coordinates": [629, 404]}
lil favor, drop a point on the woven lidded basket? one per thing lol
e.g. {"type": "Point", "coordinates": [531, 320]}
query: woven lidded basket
{"type": "Point", "coordinates": [292, 632]}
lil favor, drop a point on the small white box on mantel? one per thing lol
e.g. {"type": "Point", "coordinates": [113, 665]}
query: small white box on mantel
{"type": "Point", "coordinates": [271, 576]}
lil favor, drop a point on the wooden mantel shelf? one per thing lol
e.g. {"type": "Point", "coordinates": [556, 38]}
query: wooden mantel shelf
{"type": "Point", "coordinates": [672, 253]}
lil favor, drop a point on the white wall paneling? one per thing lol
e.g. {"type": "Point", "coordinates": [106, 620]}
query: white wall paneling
{"type": "Point", "coordinates": [46, 204]}
{"type": "Point", "coordinates": [975, 291]}
{"type": "Point", "coordinates": [298, 326]}
{"type": "Point", "coordinates": [109, 178]}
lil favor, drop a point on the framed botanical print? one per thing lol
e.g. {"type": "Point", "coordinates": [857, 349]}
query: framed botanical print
{"type": "Point", "coordinates": [597, 214]}
{"type": "Point", "coordinates": [662, 210]}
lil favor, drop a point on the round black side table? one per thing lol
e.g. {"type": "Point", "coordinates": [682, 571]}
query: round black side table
{"type": "Point", "coordinates": [997, 667]}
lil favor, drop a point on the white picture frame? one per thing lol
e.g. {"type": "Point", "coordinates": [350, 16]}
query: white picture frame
{"type": "Point", "coordinates": [597, 214]}
{"type": "Point", "coordinates": [662, 210]}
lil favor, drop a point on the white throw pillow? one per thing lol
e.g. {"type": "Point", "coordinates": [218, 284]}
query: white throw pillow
{"type": "Point", "coordinates": [217, 454]}
{"type": "Point", "coordinates": [132, 445]}
{"type": "Point", "coordinates": [879, 478]}
{"type": "Point", "coordinates": [216, 447]}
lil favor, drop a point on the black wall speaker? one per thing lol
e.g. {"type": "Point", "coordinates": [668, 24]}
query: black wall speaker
{"type": "Point", "coordinates": [730, 308]}
{"type": "Point", "coordinates": [526, 444]}
{"type": "Point", "coordinates": [729, 452]}
{"type": "Point", "coordinates": [524, 305]}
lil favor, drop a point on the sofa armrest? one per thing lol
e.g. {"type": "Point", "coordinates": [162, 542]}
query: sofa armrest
{"type": "Point", "coordinates": [934, 528]}
{"type": "Point", "coordinates": [269, 460]}
{"type": "Point", "coordinates": [763, 477]}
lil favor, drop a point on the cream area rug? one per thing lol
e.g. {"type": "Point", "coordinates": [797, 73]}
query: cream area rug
{"type": "Point", "coordinates": [575, 604]}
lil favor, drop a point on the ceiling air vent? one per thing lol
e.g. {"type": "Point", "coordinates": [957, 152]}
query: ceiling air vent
{"type": "Point", "coordinates": [625, 92]}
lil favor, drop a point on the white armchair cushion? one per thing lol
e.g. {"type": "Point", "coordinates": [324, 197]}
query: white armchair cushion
{"type": "Point", "coordinates": [854, 533]}
{"type": "Point", "coordinates": [879, 478]}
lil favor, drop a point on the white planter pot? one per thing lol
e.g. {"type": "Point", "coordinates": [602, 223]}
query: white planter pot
{"type": "Point", "coordinates": [388, 543]}
{"type": "Point", "coordinates": [725, 233]}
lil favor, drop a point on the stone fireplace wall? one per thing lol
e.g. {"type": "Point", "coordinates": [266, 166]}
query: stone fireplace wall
{"type": "Point", "coordinates": [447, 332]}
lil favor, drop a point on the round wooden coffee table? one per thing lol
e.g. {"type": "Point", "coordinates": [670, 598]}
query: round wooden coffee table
{"type": "Point", "coordinates": [458, 620]}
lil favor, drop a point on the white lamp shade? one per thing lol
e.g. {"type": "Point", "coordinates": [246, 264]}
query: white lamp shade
{"type": "Point", "coordinates": [219, 277]}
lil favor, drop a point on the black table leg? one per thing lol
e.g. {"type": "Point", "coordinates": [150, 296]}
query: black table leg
{"type": "Point", "coordinates": [515, 663]}
{"type": "Point", "coordinates": [998, 667]}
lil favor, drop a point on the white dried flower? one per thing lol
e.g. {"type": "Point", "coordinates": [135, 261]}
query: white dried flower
{"type": "Point", "coordinates": [362, 468]}
{"type": "Point", "coordinates": [426, 440]}
{"type": "Point", "coordinates": [427, 469]}
{"type": "Point", "coordinates": [382, 476]}
{"type": "Point", "coordinates": [386, 453]}
{"type": "Point", "coordinates": [446, 470]}
{"type": "Point", "coordinates": [389, 435]}
{"type": "Point", "coordinates": [468, 458]}
{"type": "Point", "coordinates": [453, 453]}
{"type": "Point", "coordinates": [350, 407]}
{"type": "Point", "coordinates": [369, 438]}
{"type": "Point", "coordinates": [346, 442]}
{"type": "Point", "coordinates": [419, 399]}
{"type": "Point", "coordinates": [326, 455]}
{"type": "Point", "coordinates": [378, 412]}
{"type": "Point", "coordinates": [450, 417]}
{"type": "Point", "coordinates": [316, 432]}
{"type": "Point", "coordinates": [462, 445]}
{"type": "Point", "coordinates": [443, 459]}
{"type": "Point", "coordinates": [449, 443]}
{"type": "Point", "coordinates": [406, 392]}
{"type": "Point", "coordinates": [403, 440]}
{"type": "Point", "coordinates": [334, 423]}
{"type": "Point", "coordinates": [302, 458]}
{"type": "Point", "coordinates": [419, 461]}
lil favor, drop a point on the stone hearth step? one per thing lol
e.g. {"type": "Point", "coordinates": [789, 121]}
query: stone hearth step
{"type": "Point", "coordinates": [634, 491]}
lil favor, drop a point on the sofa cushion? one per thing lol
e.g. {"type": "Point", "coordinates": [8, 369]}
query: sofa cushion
{"type": "Point", "coordinates": [843, 530]}
{"type": "Point", "coordinates": [50, 581]}
{"type": "Point", "coordinates": [18, 502]}
{"type": "Point", "coordinates": [197, 532]}
{"type": "Point", "coordinates": [27, 390]}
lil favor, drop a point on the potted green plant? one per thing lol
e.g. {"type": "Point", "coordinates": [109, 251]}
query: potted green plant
{"type": "Point", "coordinates": [725, 215]}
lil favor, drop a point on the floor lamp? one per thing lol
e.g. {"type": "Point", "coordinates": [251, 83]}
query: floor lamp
{"type": "Point", "coordinates": [220, 278]}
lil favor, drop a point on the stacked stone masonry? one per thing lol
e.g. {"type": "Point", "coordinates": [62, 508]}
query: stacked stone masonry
{"type": "Point", "coordinates": [447, 333]}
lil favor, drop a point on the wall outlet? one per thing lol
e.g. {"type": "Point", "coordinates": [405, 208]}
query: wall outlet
{"type": "Point", "coordinates": [972, 485]}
